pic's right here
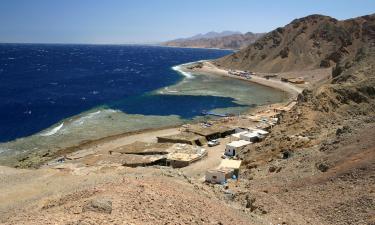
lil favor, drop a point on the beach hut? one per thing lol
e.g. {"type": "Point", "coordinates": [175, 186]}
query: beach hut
{"type": "Point", "coordinates": [232, 165]}
{"type": "Point", "coordinates": [237, 136]}
{"type": "Point", "coordinates": [259, 131]}
{"type": "Point", "coordinates": [218, 176]}
{"type": "Point", "coordinates": [234, 147]}
{"type": "Point", "coordinates": [250, 136]}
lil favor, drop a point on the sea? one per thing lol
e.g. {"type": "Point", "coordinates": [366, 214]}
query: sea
{"type": "Point", "coordinates": [53, 96]}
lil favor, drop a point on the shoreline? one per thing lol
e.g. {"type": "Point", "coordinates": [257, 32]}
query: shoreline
{"type": "Point", "coordinates": [211, 70]}
{"type": "Point", "coordinates": [93, 143]}
{"type": "Point", "coordinates": [89, 144]}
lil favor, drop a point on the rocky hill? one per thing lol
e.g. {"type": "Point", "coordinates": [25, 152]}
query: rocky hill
{"type": "Point", "coordinates": [318, 163]}
{"type": "Point", "coordinates": [227, 40]}
{"type": "Point", "coordinates": [311, 42]}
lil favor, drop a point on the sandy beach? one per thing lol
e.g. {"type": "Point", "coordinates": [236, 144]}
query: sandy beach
{"type": "Point", "coordinates": [208, 68]}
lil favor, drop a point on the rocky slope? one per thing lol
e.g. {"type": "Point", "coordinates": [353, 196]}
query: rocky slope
{"type": "Point", "coordinates": [318, 165]}
{"type": "Point", "coordinates": [230, 41]}
{"type": "Point", "coordinates": [311, 42]}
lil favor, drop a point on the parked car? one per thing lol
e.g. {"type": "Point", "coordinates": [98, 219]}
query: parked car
{"type": "Point", "coordinates": [213, 143]}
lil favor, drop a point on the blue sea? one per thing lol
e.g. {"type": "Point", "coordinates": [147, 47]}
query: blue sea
{"type": "Point", "coordinates": [49, 93]}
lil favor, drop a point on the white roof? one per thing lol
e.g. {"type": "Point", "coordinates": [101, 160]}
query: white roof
{"type": "Point", "coordinates": [250, 134]}
{"type": "Point", "coordinates": [237, 135]}
{"type": "Point", "coordinates": [230, 163]}
{"type": "Point", "coordinates": [259, 131]}
{"type": "Point", "coordinates": [237, 144]}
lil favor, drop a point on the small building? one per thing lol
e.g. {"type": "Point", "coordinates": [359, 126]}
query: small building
{"type": "Point", "coordinates": [143, 148]}
{"type": "Point", "coordinates": [259, 131]}
{"type": "Point", "coordinates": [184, 138]}
{"type": "Point", "coordinates": [237, 136]}
{"type": "Point", "coordinates": [231, 164]}
{"type": "Point", "coordinates": [132, 160]}
{"type": "Point", "coordinates": [234, 147]}
{"type": "Point", "coordinates": [250, 136]}
{"type": "Point", "coordinates": [212, 132]}
{"type": "Point", "coordinates": [264, 126]}
{"type": "Point", "coordinates": [218, 176]}
{"type": "Point", "coordinates": [183, 159]}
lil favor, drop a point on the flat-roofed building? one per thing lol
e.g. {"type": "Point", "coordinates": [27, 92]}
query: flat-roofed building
{"type": "Point", "coordinates": [234, 147]}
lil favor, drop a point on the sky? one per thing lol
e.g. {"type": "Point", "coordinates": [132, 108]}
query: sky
{"type": "Point", "coordinates": [151, 21]}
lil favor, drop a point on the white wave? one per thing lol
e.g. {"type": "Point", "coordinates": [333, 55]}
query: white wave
{"type": "Point", "coordinates": [52, 131]}
{"type": "Point", "coordinates": [179, 70]}
{"type": "Point", "coordinates": [92, 115]}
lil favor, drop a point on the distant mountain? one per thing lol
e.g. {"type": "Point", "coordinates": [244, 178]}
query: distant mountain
{"type": "Point", "coordinates": [211, 34]}
{"type": "Point", "coordinates": [223, 40]}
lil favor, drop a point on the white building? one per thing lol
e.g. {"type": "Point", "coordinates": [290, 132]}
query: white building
{"type": "Point", "coordinates": [259, 131]}
{"type": "Point", "coordinates": [236, 136]}
{"type": "Point", "coordinates": [234, 147]}
{"type": "Point", "coordinates": [231, 164]}
{"type": "Point", "coordinates": [250, 136]}
{"type": "Point", "coordinates": [218, 176]}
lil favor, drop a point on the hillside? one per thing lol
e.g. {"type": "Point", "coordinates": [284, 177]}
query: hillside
{"type": "Point", "coordinates": [228, 40]}
{"type": "Point", "coordinates": [318, 165]}
{"type": "Point", "coordinates": [311, 42]}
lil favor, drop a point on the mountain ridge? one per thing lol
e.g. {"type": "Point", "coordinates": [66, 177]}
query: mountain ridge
{"type": "Point", "coordinates": [222, 40]}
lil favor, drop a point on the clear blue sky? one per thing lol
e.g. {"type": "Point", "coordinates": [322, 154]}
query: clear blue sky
{"type": "Point", "coordinates": [140, 21]}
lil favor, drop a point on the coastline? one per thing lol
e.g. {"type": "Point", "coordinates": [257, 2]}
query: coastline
{"type": "Point", "coordinates": [209, 69]}
{"type": "Point", "coordinates": [132, 136]}
{"type": "Point", "coordinates": [37, 159]}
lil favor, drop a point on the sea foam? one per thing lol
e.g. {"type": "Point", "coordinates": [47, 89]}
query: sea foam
{"type": "Point", "coordinates": [52, 131]}
{"type": "Point", "coordinates": [179, 70]}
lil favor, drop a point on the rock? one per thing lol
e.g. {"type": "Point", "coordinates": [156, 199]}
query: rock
{"type": "Point", "coordinates": [342, 130]}
{"type": "Point", "coordinates": [272, 169]}
{"type": "Point", "coordinates": [250, 203]}
{"type": "Point", "coordinates": [286, 154]}
{"type": "Point", "coordinates": [284, 53]}
{"type": "Point", "coordinates": [100, 205]}
{"type": "Point", "coordinates": [322, 167]}
{"type": "Point", "coordinates": [325, 63]}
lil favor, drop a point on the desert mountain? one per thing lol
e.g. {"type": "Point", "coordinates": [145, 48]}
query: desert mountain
{"type": "Point", "coordinates": [208, 35]}
{"type": "Point", "coordinates": [224, 40]}
{"type": "Point", "coordinates": [307, 43]}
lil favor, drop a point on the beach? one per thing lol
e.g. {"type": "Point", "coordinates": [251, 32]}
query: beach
{"type": "Point", "coordinates": [206, 67]}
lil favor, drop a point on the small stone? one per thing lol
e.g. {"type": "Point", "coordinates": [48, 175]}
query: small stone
{"type": "Point", "coordinates": [322, 167]}
{"type": "Point", "coordinates": [100, 205]}
{"type": "Point", "coordinates": [272, 169]}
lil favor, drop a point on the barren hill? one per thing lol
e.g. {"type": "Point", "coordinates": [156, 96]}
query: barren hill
{"type": "Point", "coordinates": [320, 161]}
{"type": "Point", "coordinates": [307, 43]}
{"type": "Point", "coordinates": [226, 41]}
